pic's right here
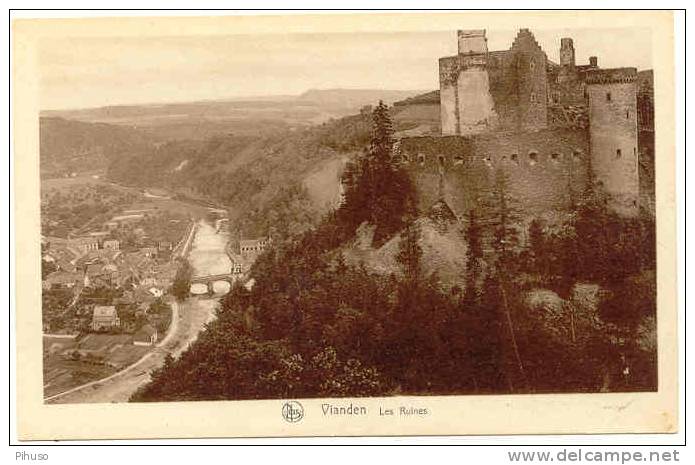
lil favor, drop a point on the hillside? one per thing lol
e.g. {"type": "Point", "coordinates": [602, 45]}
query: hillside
{"type": "Point", "coordinates": [278, 183]}
{"type": "Point", "coordinates": [379, 298]}
{"type": "Point", "coordinates": [73, 146]}
{"type": "Point", "coordinates": [273, 177]}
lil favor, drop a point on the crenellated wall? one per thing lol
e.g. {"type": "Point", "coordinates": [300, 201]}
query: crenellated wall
{"type": "Point", "coordinates": [545, 170]}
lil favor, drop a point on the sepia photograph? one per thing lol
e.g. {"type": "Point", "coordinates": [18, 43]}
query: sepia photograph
{"type": "Point", "coordinates": [319, 218]}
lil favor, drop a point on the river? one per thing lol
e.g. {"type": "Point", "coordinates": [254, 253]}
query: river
{"type": "Point", "coordinates": [208, 255]}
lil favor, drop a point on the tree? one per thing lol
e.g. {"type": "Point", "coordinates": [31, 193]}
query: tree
{"type": "Point", "coordinates": [376, 187]}
{"type": "Point", "coordinates": [410, 254]}
{"type": "Point", "coordinates": [182, 281]}
{"type": "Point", "coordinates": [504, 218]}
{"type": "Point", "coordinates": [537, 247]}
{"type": "Point", "coordinates": [474, 257]}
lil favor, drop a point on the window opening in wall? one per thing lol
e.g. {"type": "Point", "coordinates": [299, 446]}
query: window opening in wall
{"type": "Point", "coordinates": [421, 159]}
{"type": "Point", "coordinates": [627, 114]}
{"type": "Point", "coordinates": [555, 156]}
{"type": "Point", "coordinates": [441, 160]}
{"type": "Point", "coordinates": [533, 157]}
{"type": "Point", "coordinates": [532, 63]}
{"type": "Point", "coordinates": [618, 153]}
{"type": "Point", "coordinates": [405, 158]}
{"type": "Point", "coordinates": [515, 157]}
{"type": "Point", "coordinates": [533, 97]}
{"type": "Point", "coordinates": [608, 96]}
{"type": "Point", "coordinates": [577, 155]}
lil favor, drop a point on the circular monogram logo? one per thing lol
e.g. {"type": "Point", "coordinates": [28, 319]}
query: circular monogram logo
{"type": "Point", "coordinates": [292, 411]}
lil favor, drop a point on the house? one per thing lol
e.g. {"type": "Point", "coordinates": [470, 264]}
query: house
{"type": "Point", "coordinates": [149, 251]}
{"type": "Point", "coordinates": [147, 336]}
{"type": "Point", "coordinates": [105, 317]}
{"type": "Point", "coordinates": [66, 265]}
{"type": "Point", "coordinates": [156, 292]}
{"type": "Point", "coordinates": [61, 280]}
{"type": "Point", "coordinates": [62, 255]}
{"type": "Point", "coordinates": [111, 244]}
{"type": "Point", "coordinates": [247, 246]}
{"type": "Point", "coordinates": [84, 244]}
{"type": "Point", "coordinates": [164, 245]}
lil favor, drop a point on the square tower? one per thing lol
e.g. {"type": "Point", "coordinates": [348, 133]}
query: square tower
{"type": "Point", "coordinates": [472, 42]}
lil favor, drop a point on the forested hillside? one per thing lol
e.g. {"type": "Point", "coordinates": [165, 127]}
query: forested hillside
{"type": "Point", "coordinates": [263, 180]}
{"type": "Point", "coordinates": [72, 146]}
{"type": "Point", "coordinates": [573, 312]}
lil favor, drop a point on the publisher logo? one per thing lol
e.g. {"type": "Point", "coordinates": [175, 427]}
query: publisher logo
{"type": "Point", "coordinates": [292, 411]}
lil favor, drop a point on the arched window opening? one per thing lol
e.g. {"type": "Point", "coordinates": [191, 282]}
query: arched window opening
{"type": "Point", "coordinates": [618, 153]}
{"type": "Point", "coordinates": [608, 97]}
{"type": "Point", "coordinates": [533, 157]}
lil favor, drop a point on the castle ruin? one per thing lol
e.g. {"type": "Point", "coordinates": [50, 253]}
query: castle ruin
{"type": "Point", "coordinates": [545, 125]}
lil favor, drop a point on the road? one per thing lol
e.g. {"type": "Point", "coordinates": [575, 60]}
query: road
{"type": "Point", "coordinates": [188, 320]}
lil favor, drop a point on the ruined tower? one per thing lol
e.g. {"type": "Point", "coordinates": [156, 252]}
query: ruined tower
{"type": "Point", "coordinates": [613, 136]}
{"type": "Point", "coordinates": [567, 53]}
{"type": "Point", "coordinates": [466, 104]}
{"type": "Point", "coordinates": [532, 81]}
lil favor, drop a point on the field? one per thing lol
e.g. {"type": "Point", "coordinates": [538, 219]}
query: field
{"type": "Point", "coordinates": [100, 355]}
{"type": "Point", "coordinates": [75, 204]}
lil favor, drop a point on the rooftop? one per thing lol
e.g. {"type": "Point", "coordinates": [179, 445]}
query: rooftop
{"type": "Point", "coordinates": [105, 311]}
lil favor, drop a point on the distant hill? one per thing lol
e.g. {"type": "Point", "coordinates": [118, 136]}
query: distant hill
{"type": "Point", "coordinates": [74, 146]}
{"type": "Point", "coordinates": [255, 116]}
{"type": "Point", "coordinates": [262, 168]}
{"type": "Point", "coordinates": [354, 98]}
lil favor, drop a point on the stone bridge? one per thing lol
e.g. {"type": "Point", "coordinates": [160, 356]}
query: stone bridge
{"type": "Point", "coordinates": [211, 279]}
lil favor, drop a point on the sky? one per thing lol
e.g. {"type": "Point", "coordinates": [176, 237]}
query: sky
{"type": "Point", "coordinates": [92, 72]}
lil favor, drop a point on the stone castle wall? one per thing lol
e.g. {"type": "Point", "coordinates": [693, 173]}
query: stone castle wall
{"type": "Point", "coordinates": [518, 102]}
{"type": "Point", "coordinates": [545, 170]}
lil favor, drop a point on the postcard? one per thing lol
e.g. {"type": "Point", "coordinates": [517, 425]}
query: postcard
{"type": "Point", "coordinates": [345, 224]}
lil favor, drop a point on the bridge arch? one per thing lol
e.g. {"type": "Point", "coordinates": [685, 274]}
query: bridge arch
{"type": "Point", "coordinates": [209, 282]}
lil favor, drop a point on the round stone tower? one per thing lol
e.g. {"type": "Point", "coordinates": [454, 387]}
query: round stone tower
{"type": "Point", "coordinates": [613, 136]}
